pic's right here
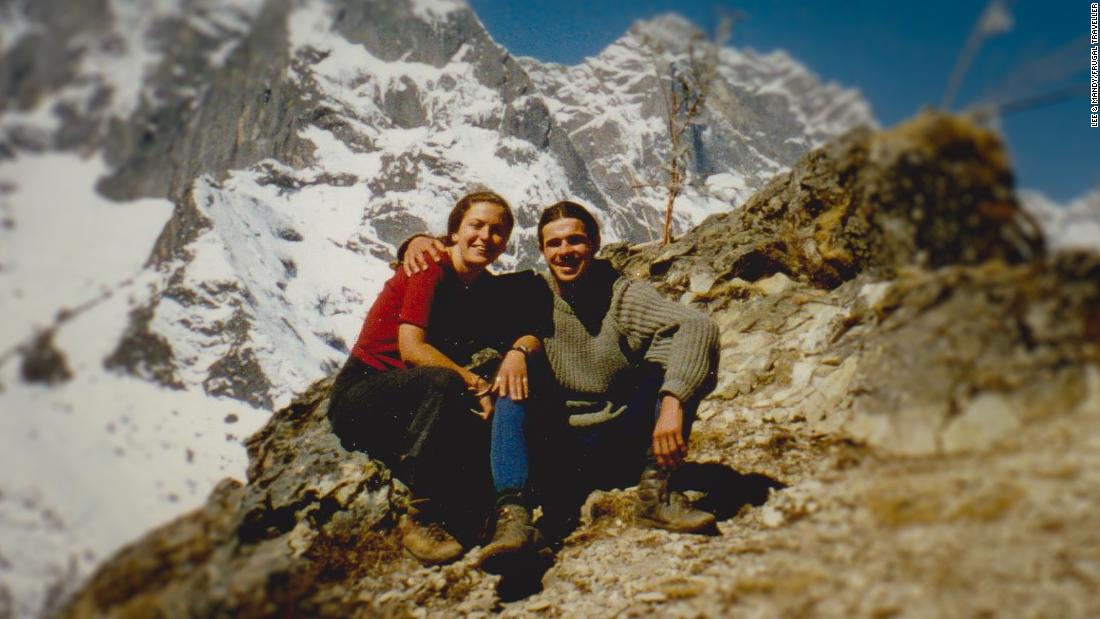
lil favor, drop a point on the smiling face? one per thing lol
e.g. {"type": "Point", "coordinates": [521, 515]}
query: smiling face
{"type": "Point", "coordinates": [568, 249]}
{"type": "Point", "coordinates": [481, 237]}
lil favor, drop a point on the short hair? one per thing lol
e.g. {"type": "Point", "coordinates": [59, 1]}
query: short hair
{"type": "Point", "coordinates": [454, 220]}
{"type": "Point", "coordinates": [570, 210]}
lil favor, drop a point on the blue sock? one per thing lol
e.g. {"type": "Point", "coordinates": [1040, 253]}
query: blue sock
{"type": "Point", "coordinates": [508, 449]}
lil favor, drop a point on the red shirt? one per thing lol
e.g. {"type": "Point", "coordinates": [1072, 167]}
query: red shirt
{"type": "Point", "coordinates": [403, 299]}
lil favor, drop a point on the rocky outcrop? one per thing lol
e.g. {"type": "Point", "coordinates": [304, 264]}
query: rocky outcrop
{"type": "Point", "coordinates": [42, 61]}
{"type": "Point", "coordinates": [43, 362]}
{"type": "Point", "coordinates": [890, 287]}
{"type": "Point", "coordinates": [926, 390]}
{"type": "Point", "coordinates": [216, 118]}
{"type": "Point", "coordinates": [926, 363]}
{"type": "Point", "coordinates": [934, 191]}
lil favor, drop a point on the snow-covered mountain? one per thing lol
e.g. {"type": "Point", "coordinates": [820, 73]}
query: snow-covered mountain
{"type": "Point", "coordinates": [763, 113]}
{"type": "Point", "coordinates": [199, 199]}
{"type": "Point", "coordinates": [1074, 225]}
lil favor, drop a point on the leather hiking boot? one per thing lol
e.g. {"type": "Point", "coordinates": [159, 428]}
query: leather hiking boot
{"type": "Point", "coordinates": [428, 541]}
{"type": "Point", "coordinates": [661, 509]}
{"type": "Point", "coordinates": [514, 536]}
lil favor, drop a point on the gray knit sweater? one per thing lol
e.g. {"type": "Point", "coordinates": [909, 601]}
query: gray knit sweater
{"type": "Point", "coordinates": [595, 363]}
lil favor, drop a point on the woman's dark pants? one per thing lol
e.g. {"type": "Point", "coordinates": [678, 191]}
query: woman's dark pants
{"type": "Point", "coordinates": [418, 422]}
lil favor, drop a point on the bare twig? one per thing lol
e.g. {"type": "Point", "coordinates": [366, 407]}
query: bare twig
{"type": "Point", "coordinates": [1029, 102]}
{"type": "Point", "coordinates": [685, 96]}
{"type": "Point", "coordinates": [995, 19]}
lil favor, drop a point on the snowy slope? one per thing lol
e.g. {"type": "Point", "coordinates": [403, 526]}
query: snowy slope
{"type": "Point", "coordinates": [1075, 225]}
{"type": "Point", "coordinates": [92, 460]}
{"type": "Point", "coordinates": [287, 149]}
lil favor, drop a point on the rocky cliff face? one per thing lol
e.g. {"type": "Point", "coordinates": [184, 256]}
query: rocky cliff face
{"type": "Point", "coordinates": [612, 109]}
{"type": "Point", "coordinates": [883, 261]}
{"type": "Point", "coordinates": [906, 424]}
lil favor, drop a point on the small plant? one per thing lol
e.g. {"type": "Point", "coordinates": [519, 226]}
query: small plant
{"type": "Point", "coordinates": [684, 87]}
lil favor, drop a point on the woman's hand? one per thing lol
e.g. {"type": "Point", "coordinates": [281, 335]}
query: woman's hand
{"type": "Point", "coordinates": [511, 379]}
{"type": "Point", "coordinates": [668, 434]}
{"type": "Point", "coordinates": [419, 251]}
{"type": "Point", "coordinates": [485, 407]}
{"type": "Point", "coordinates": [481, 391]}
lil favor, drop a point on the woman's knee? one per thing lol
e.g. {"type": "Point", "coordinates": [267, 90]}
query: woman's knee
{"type": "Point", "coordinates": [344, 410]}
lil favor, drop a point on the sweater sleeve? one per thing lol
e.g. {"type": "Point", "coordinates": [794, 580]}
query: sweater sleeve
{"type": "Point", "coordinates": [678, 338]}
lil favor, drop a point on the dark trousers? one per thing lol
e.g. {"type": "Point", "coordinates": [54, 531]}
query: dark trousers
{"type": "Point", "coordinates": [418, 422]}
{"type": "Point", "coordinates": [574, 461]}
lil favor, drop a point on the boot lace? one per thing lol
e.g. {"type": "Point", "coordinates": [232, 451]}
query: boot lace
{"type": "Point", "coordinates": [435, 532]}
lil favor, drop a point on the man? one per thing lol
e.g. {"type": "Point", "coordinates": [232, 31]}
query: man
{"type": "Point", "coordinates": [631, 366]}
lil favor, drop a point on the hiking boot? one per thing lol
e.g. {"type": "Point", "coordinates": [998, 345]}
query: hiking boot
{"type": "Point", "coordinates": [428, 541]}
{"type": "Point", "coordinates": [513, 536]}
{"type": "Point", "coordinates": [658, 508]}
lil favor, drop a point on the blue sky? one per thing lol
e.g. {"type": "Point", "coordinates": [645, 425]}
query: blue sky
{"type": "Point", "coordinates": [900, 55]}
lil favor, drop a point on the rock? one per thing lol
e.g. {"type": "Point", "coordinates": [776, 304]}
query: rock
{"type": "Point", "coordinates": [862, 204]}
{"type": "Point", "coordinates": [701, 282]}
{"type": "Point", "coordinates": [986, 418]}
{"type": "Point", "coordinates": [912, 430]}
{"type": "Point", "coordinates": [771, 517]}
{"type": "Point", "coordinates": [872, 294]}
{"type": "Point", "coordinates": [775, 284]}
{"type": "Point", "coordinates": [538, 606]}
{"type": "Point", "coordinates": [43, 362]}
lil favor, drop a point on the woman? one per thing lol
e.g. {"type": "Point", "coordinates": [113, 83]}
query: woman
{"type": "Point", "coordinates": [406, 398]}
{"type": "Point", "coordinates": [632, 367]}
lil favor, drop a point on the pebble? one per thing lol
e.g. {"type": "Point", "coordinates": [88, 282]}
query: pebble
{"type": "Point", "coordinates": [772, 517]}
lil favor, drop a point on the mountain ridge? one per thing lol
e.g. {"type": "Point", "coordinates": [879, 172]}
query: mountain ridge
{"type": "Point", "coordinates": [276, 151]}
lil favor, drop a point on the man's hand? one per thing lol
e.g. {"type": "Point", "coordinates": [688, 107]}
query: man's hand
{"type": "Point", "coordinates": [421, 250]}
{"type": "Point", "coordinates": [668, 434]}
{"type": "Point", "coordinates": [511, 379]}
